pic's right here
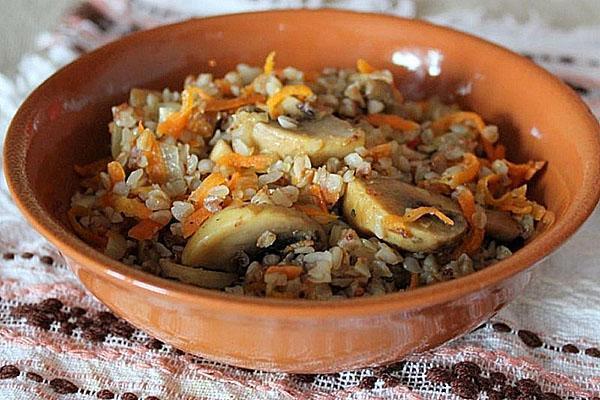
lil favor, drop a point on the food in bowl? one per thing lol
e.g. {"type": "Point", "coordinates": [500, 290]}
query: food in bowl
{"type": "Point", "coordinates": [294, 184]}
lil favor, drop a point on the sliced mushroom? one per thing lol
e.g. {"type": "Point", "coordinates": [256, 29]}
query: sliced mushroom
{"type": "Point", "coordinates": [320, 139]}
{"type": "Point", "coordinates": [368, 203]}
{"type": "Point", "coordinates": [196, 276]}
{"type": "Point", "coordinates": [500, 225]}
{"type": "Point", "coordinates": [236, 229]}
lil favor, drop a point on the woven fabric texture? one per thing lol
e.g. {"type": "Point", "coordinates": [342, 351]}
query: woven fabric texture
{"type": "Point", "coordinates": [58, 342]}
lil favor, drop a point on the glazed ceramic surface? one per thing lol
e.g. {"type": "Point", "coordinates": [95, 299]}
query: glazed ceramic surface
{"type": "Point", "coordinates": [64, 122]}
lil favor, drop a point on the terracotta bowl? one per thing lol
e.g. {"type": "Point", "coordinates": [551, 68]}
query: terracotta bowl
{"type": "Point", "coordinates": [64, 122]}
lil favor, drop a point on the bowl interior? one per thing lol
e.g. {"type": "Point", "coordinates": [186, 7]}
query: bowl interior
{"type": "Point", "coordinates": [65, 121]}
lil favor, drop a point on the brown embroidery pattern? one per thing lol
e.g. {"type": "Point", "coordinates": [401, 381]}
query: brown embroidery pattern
{"type": "Point", "coordinates": [64, 386]}
{"type": "Point", "coordinates": [26, 255]}
{"type": "Point", "coordinates": [96, 327]}
{"type": "Point", "coordinates": [467, 380]}
{"type": "Point", "coordinates": [532, 340]}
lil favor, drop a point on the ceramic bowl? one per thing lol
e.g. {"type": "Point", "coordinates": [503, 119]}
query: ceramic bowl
{"type": "Point", "coordinates": [64, 122]}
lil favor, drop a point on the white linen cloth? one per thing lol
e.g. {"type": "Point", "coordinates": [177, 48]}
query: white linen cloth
{"type": "Point", "coordinates": [560, 307]}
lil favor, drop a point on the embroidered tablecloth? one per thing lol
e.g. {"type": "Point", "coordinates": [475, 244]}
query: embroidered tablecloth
{"type": "Point", "coordinates": [58, 342]}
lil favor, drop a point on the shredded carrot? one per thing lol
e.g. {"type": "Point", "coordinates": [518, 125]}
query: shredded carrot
{"type": "Point", "coordinates": [242, 180]}
{"type": "Point", "coordinates": [514, 200]}
{"type": "Point", "coordinates": [116, 172]}
{"type": "Point", "coordinates": [84, 233]}
{"type": "Point", "coordinates": [174, 124]}
{"type": "Point", "coordinates": [193, 222]}
{"type": "Point", "coordinates": [520, 173]}
{"type": "Point", "coordinates": [291, 271]}
{"type": "Point", "coordinates": [364, 67]}
{"type": "Point", "coordinates": [230, 104]}
{"type": "Point", "coordinates": [383, 150]}
{"type": "Point", "coordinates": [274, 102]}
{"type": "Point", "coordinates": [394, 121]}
{"type": "Point", "coordinates": [212, 180]}
{"type": "Point", "coordinates": [414, 281]}
{"type": "Point", "coordinates": [145, 229]}
{"type": "Point", "coordinates": [492, 152]}
{"type": "Point", "coordinates": [470, 170]}
{"type": "Point", "coordinates": [177, 121]}
{"type": "Point", "coordinates": [130, 207]}
{"type": "Point", "coordinates": [260, 162]}
{"type": "Point", "coordinates": [442, 124]}
{"type": "Point", "coordinates": [317, 194]}
{"type": "Point", "coordinates": [472, 243]}
{"type": "Point", "coordinates": [93, 168]}
{"type": "Point", "coordinates": [398, 223]}
{"type": "Point", "coordinates": [156, 169]}
{"type": "Point", "coordinates": [269, 63]}
{"type": "Point", "coordinates": [416, 213]}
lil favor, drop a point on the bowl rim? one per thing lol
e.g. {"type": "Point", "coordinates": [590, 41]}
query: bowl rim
{"type": "Point", "coordinates": [584, 202]}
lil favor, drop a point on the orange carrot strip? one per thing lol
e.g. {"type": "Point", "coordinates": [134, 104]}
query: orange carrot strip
{"type": "Point", "coordinates": [145, 229]}
{"type": "Point", "coordinates": [317, 193]}
{"type": "Point", "coordinates": [471, 245]}
{"type": "Point", "coordinates": [394, 121]}
{"type": "Point", "coordinates": [193, 222]}
{"type": "Point", "coordinates": [130, 207]}
{"type": "Point", "coordinates": [514, 201]}
{"type": "Point", "coordinates": [442, 124]}
{"type": "Point", "coordinates": [364, 67]}
{"type": "Point", "coordinates": [260, 162]}
{"type": "Point", "coordinates": [520, 173]}
{"type": "Point", "coordinates": [116, 172]}
{"type": "Point", "coordinates": [156, 169]}
{"type": "Point", "coordinates": [470, 171]}
{"type": "Point", "coordinates": [212, 180]}
{"type": "Point", "coordinates": [177, 121]}
{"type": "Point", "coordinates": [416, 213]}
{"type": "Point", "coordinates": [269, 63]}
{"type": "Point", "coordinates": [174, 124]}
{"type": "Point", "coordinates": [274, 102]}
{"type": "Point", "coordinates": [291, 271]}
{"type": "Point", "coordinates": [398, 223]}
{"type": "Point", "coordinates": [243, 180]}
{"type": "Point", "coordinates": [231, 104]}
